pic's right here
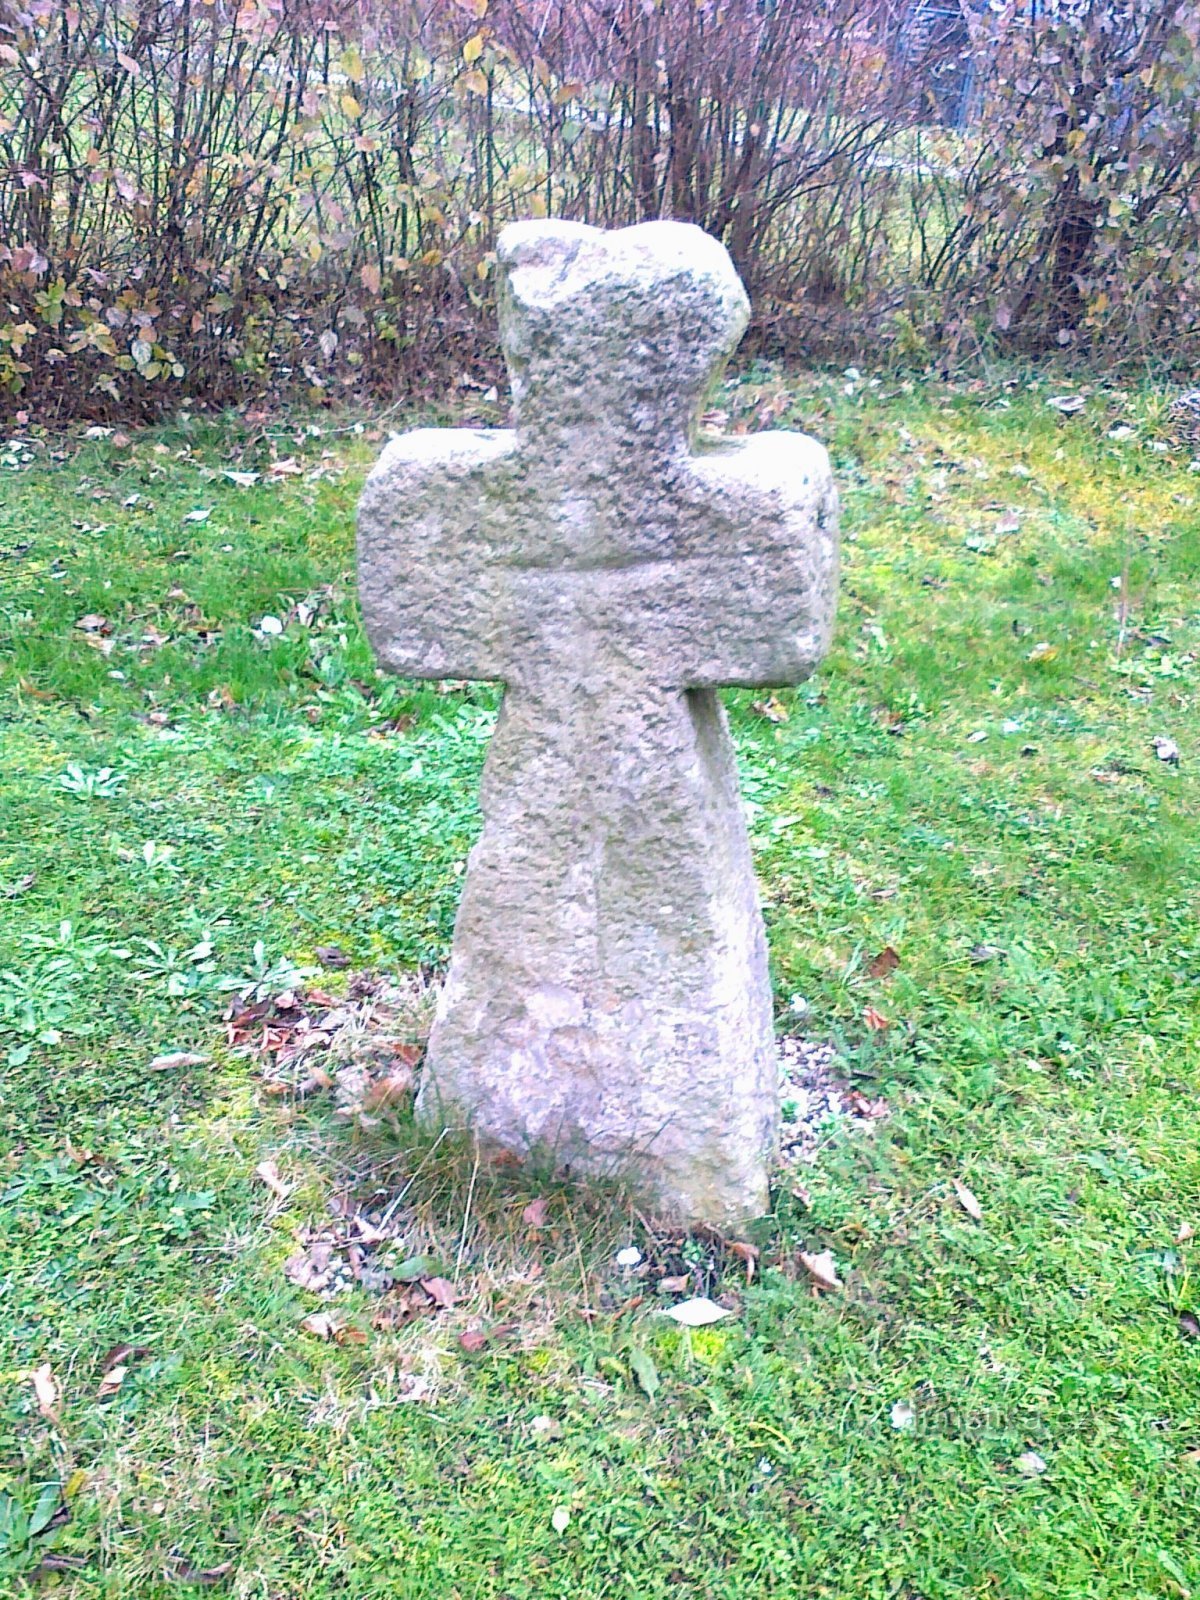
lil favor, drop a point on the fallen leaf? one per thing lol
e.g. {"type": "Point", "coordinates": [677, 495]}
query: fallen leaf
{"type": "Point", "coordinates": [414, 1387]}
{"type": "Point", "coordinates": [822, 1269]}
{"type": "Point", "coordinates": [244, 480]}
{"type": "Point", "coordinates": [1066, 403]}
{"type": "Point", "coordinates": [402, 1305]}
{"type": "Point", "coordinates": [980, 954]}
{"type": "Point", "coordinates": [111, 1382]}
{"type": "Point", "coordinates": [773, 709]}
{"type": "Point", "coordinates": [94, 623]}
{"type": "Point", "coordinates": [1030, 1465]}
{"type": "Point", "coordinates": [1189, 1325]}
{"type": "Point", "coordinates": [1186, 1232]}
{"type": "Point", "coordinates": [677, 1285]}
{"type": "Point", "coordinates": [46, 1392]}
{"type": "Point", "coordinates": [886, 961]}
{"type": "Point", "coordinates": [967, 1200]}
{"type": "Point", "coordinates": [747, 1254]}
{"type": "Point", "coordinates": [318, 1078]}
{"type": "Point", "coordinates": [644, 1370]}
{"type": "Point", "coordinates": [181, 1570]}
{"type": "Point", "coordinates": [268, 1172]}
{"type": "Point", "coordinates": [875, 1019]}
{"type": "Point", "coordinates": [696, 1313]}
{"type": "Point", "coordinates": [440, 1291]}
{"type": "Point", "coordinates": [311, 1268]}
{"type": "Point", "coordinates": [1042, 651]}
{"type": "Point", "coordinates": [200, 514]}
{"type": "Point", "coordinates": [534, 1214]}
{"type": "Point", "coordinates": [331, 955]}
{"type": "Point", "coordinates": [391, 1090]}
{"type": "Point", "coordinates": [472, 1340]}
{"type": "Point", "coordinates": [903, 1415]}
{"type": "Point", "coordinates": [322, 1326]}
{"type": "Point", "coordinates": [122, 1355]}
{"type": "Point", "coordinates": [560, 1519]}
{"type": "Point", "coordinates": [1166, 749]}
{"type": "Point", "coordinates": [630, 1256]}
{"type": "Point", "coordinates": [174, 1059]}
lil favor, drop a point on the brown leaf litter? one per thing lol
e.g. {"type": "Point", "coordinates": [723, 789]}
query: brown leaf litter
{"type": "Point", "coordinates": [363, 1048]}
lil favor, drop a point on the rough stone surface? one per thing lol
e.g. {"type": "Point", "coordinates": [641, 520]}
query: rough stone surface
{"type": "Point", "coordinates": [607, 999]}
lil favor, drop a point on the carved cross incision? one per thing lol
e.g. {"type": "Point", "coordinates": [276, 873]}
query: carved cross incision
{"type": "Point", "coordinates": [607, 998]}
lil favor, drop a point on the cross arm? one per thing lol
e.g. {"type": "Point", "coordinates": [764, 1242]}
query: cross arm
{"type": "Point", "coordinates": [764, 544]}
{"type": "Point", "coordinates": [431, 571]}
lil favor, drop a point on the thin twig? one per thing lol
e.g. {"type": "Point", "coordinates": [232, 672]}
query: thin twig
{"type": "Point", "coordinates": [462, 1240]}
{"type": "Point", "coordinates": [393, 1205]}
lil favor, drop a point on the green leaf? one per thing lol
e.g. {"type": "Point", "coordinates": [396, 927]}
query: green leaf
{"type": "Point", "coordinates": [14, 1523]}
{"type": "Point", "coordinates": [644, 1371]}
{"type": "Point", "coordinates": [45, 1510]}
{"type": "Point", "coordinates": [416, 1267]}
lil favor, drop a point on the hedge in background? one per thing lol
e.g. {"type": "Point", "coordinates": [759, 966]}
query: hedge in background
{"type": "Point", "coordinates": [199, 202]}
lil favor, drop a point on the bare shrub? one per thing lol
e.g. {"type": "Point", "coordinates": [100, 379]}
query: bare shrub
{"type": "Point", "coordinates": [204, 200]}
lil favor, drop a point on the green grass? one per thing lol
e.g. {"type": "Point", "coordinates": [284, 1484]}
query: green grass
{"type": "Point", "coordinates": [275, 790]}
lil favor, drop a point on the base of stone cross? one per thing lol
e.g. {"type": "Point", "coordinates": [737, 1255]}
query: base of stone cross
{"type": "Point", "coordinates": [607, 1005]}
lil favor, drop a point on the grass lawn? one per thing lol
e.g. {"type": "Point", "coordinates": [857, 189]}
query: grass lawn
{"type": "Point", "coordinates": [999, 1407]}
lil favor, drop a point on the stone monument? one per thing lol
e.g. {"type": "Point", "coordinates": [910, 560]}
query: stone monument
{"type": "Point", "coordinates": [607, 1002]}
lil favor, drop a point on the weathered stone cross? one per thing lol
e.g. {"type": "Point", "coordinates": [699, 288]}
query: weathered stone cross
{"type": "Point", "coordinates": [607, 999]}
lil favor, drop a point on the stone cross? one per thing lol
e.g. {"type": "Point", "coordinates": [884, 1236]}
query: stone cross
{"type": "Point", "coordinates": [607, 1003]}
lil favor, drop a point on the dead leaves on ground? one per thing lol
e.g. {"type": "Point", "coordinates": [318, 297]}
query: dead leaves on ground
{"type": "Point", "coordinates": [353, 1248]}
{"type": "Point", "coordinates": [364, 1048]}
{"type": "Point", "coordinates": [324, 1325]}
{"type": "Point", "coordinates": [312, 1268]}
{"type": "Point", "coordinates": [475, 1338]}
{"type": "Point", "coordinates": [114, 1369]}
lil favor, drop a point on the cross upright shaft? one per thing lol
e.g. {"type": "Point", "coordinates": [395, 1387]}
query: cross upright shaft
{"type": "Point", "coordinates": [608, 998]}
